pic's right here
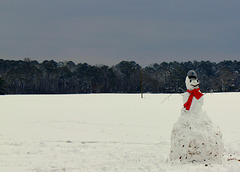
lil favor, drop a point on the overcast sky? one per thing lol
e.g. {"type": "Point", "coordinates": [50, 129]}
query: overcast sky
{"type": "Point", "coordinates": [109, 31]}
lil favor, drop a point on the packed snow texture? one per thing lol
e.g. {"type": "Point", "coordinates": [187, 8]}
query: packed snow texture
{"type": "Point", "coordinates": [106, 132]}
{"type": "Point", "coordinates": [195, 139]}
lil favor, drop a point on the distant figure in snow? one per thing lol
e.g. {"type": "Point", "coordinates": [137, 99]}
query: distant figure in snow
{"type": "Point", "coordinates": [194, 138]}
{"type": "Point", "coordinates": [192, 97]}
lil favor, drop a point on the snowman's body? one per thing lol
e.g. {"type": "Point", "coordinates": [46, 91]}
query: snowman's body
{"type": "Point", "coordinates": [196, 106]}
{"type": "Point", "coordinates": [194, 137]}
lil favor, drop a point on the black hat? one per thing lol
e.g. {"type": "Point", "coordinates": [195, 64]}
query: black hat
{"type": "Point", "coordinates": [192, 74]}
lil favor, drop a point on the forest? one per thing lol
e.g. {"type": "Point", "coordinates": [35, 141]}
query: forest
{"type": "Point", "coordinates": [51, 77]}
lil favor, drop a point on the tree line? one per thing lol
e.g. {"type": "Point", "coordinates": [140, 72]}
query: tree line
{"type": "Point", "coordinates": [50, 77]}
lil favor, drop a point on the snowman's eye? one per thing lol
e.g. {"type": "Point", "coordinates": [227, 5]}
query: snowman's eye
{"type": "Point", "coordinates": [197, 80]}
{"type": "Point", "coordinates": [190, 80]}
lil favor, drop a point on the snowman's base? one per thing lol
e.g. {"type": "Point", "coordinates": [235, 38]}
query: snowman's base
{"type": "Point", "coordinates": [196, 140]}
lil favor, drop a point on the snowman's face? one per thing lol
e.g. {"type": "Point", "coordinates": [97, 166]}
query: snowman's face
{"type": "Point", "coordinates": [192, 83]}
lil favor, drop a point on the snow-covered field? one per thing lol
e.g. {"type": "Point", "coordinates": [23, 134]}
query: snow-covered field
{"type": "Point", "coordinates": [105, 132]}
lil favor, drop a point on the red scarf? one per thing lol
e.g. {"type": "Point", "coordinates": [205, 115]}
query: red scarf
{"type": "Point", "coordinates": [195, 93]}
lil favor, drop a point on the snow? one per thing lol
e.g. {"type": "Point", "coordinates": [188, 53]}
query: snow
{"type": "Point", "coordinates": [106, 132]}
{"type": "Point", "coordinates": [194, 137]}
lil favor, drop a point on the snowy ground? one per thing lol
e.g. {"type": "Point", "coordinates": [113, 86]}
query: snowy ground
{"type": "Point", "coordinates": [105, 132]}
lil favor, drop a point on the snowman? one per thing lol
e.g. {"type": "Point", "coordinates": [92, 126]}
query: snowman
{"type": "Point", "coordinates": [194, 138]}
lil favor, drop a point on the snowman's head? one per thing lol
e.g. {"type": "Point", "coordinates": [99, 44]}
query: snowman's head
{"type": "Point", "coordinates": [192, 81]}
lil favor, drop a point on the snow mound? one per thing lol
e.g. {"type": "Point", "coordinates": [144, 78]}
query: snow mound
{"type": "Point", "coordinates": [195, 139]}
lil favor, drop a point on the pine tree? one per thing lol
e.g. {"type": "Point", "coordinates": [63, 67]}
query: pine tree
{"type": "Point", "coordinates": [2, 88]}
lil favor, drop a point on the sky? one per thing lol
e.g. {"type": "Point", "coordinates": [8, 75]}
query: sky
{"type": "Point", "coordinates": [109, 31]}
